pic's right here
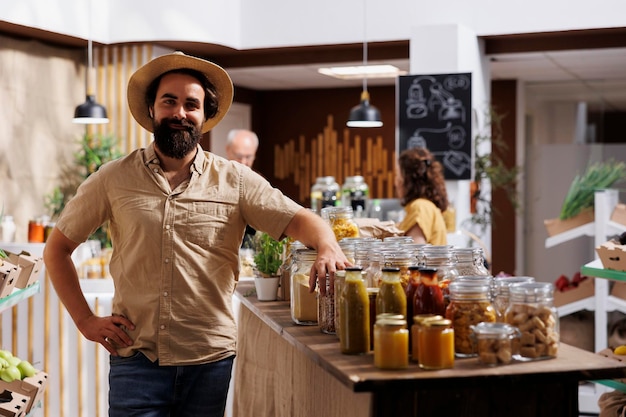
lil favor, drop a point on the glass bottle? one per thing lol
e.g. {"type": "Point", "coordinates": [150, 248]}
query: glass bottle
{"type": "Point", "coordinates": [391, 342]}
{"type": "Point", "coordinates": [469, 305]}
{"type": "Point", "coordinates": [391, 297]}
{"type": "Point", "coordinates": [8, 229]}
{"type": "Point", "coordinates": [532, 311]}
{"type": "Point", "coordinates": [501, 293]}
{"type": "Point", "coordinates": [355, 194]}
{"type": "Point", "coordinates": [324, 193]}
{"type": "Point", "coordinates": [354, 317]}
{"type": "Point", "coordinates": [436, 344]}
{"type": "Point", "coordinates": [411, 288]}
{"type": "Point", "coordinates": [428, 298]}
{"type": "Point", "coordinates": [303, 302]}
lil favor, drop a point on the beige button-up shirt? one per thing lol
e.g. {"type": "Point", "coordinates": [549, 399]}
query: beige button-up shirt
{"type": "Point", "coordinates": [175, 252]}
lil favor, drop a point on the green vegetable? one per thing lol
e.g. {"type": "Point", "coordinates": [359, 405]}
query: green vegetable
{"type": "Point", "coordinates": [269, 254]}
{"type": "Point", "coordinates": [599, 175]}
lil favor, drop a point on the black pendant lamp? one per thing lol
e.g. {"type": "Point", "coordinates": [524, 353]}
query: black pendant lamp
{"type": "Point", "coordinates": [364, 114]}
{"type": "Point", "coordinates": [90, 112]}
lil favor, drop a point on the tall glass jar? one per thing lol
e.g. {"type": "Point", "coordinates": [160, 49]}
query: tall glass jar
{"type": "Point", "coordinates": [443, 259]}
{"type": "Point", "coordinates": [469, 305]}
{"type": "Point", "coordinates": [470, 261]}
{"type": "Point", "coordinates": [411, 288]}
{"type": "Point", "coordinates": [391, 296]}
{"type": "Point", "coordinates": [401, 259]}
{"type": "Point", "coordinates": [340, 278]}
{"type": "Point", "coordinates": [303, 302]}
{"type": "Point", "coordinates": [324, 193]}
{"type": "Point", "coordinates": [341, 220]}
{"type": "Point", "coordinates": [326, 309]}
{"type": "Point", "coordinates": [354, 314]}
{"type": "Point", "coordinates": [501, 293]}
{"type": "Point", "coordinates": [532, 311]}
{"type": "Point", "coordinates": [355, 194]}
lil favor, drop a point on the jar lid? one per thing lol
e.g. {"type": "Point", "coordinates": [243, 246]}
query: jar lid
{"type": "Point", "coordinates": [437, 323]}
{"type": "Point", "coordinates": [468, 287]}
{"type": "Point", "coordinates": [494, 329]}
{"type": "Point", "coordinates": [421, 318]}
{"type": "Point", "coordinates": [533, 289]}
{"type": "Point", "coordinates": [354, 268]}
{"type": "Point", "coordinates": [506, 281]}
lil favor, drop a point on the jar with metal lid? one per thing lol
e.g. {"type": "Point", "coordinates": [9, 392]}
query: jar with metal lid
{"type": "Point", "coordinates": [355, 194]}
{"type": "Point", "coordinates": [341, 220]}
{"type": "Point", "coordinates": [303, 302]}
{"type": "Point", "coordinates": [470, 261]}
{"type": "Point", "coordinates": [469, 305]}
{"type": "Point", "coordinates": [391, 297]}
{"type": "Point", "coordinates": [401, 259]}
{"type": "Point", "coordinates": [501, 294]}
{"type": "Point", "coordinates": [354, 314]}
{"type": "Point", "coordinates": [391, 342]}
{"type": "Point", "coordinates": [418, 321]}
{"type": "Point", "coordinates": [324, 193]}
{"type": "Point", "coordinates": [495, 342]}
{"type": "Point", "coordinates": [436, 344]}
{"type": "Point", "coordinates": [373, 271]}
{"type": "Point", "coordinates": [443, 259]}
{"type": "Point", "coordinates": [531, 310]}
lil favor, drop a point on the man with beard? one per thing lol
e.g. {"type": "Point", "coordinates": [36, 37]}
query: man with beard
{"type": "Point", "coordinates": [177, 216]}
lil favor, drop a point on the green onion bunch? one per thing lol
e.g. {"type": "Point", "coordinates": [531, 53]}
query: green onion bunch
{"type": "Point", "coordinates": [598, 176]}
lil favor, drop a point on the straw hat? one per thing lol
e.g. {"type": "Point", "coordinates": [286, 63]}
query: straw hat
{"type": "Point", "coordinates": [142, 78]}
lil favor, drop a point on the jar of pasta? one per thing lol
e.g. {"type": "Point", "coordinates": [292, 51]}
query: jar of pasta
{"type": "Point", "coordinates": [469, 305]}
{"type": "Point", "coordinates": [341, 220]}
{"type": "Point", "coordinates": [304, 307]}
{"type": "Point", "coordinates": [531, 309]}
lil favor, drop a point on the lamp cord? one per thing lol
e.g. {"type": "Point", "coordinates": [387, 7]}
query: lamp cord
{"type": "Point", "coordinates": [365, 45]}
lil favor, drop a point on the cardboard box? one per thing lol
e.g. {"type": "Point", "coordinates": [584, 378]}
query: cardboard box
{"type": "Point", "coordinates": [9, 274]}
{"type": "Point", "coordinates": [585, 289]}
{"type": "Point", "coordinates": [14, 408]}
{"type": "Point", "coordinates": [612, 255]}
{"type": "Point", "coordinates": [31, 387]}
{"type": "Point", "coordinates": [619, 214]}
{"type": "Point", "coordinates": [556, 226]}
{"type": "Point", "coordinates": [31, 266]}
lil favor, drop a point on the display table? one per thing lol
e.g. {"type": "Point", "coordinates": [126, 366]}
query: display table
{"type": "Point", "coordinates": [284, 369]}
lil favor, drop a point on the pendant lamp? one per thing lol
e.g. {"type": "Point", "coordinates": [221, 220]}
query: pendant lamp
{"type": "Point", "coordinates": [364, 114]}
{"type": "Point", "coordinates": [90, 112]}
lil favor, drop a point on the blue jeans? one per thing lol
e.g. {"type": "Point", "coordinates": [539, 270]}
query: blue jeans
{"type": "Point", "coordinates": [138, 387]}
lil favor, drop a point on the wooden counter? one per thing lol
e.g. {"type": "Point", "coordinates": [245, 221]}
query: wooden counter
{"type": "Point", "coordinates": [287, 370]}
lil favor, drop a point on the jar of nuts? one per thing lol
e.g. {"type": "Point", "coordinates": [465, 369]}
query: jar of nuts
{"type": "Point", "coordinates": [495, 342]}
{"type": "Point", "coordinates": [469, 305]}
{"type": "Point", "coordinates": [531, 309]}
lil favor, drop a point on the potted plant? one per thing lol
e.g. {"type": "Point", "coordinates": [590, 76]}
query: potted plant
{"type": "Point", "coordinates": [268, 259]}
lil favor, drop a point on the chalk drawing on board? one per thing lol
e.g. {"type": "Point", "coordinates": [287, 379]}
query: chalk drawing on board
{"type": "Point", "coordinates": [455, 161]}
{"type": "Point", "coordinates": [417, 140]}
{"type": "Point", "coordinates": [417, 106]}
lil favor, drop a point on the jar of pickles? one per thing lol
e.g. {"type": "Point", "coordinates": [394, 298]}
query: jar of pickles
{"type": "Point", "coordinates": [303, 302]}
{"type": "Point", "coordinates": [469, 305]}
{"type": "Point", "coordinates": [531, 310]}
{"type": "Point", "coordinates": [391, 342]}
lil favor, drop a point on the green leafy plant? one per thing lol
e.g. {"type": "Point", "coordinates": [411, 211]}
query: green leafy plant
{"type": "Point", "coordinates": [488, 166]}
{"type": "Point", "coordinates": [597, 176]}
{"type": "Point", "coordinates": [94, 151]}
{"type": "Point", "coordinates": [268, 257]}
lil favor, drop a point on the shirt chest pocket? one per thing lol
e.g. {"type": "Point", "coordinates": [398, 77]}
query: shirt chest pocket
{"type": "Point", "coordinates": [209, 222]}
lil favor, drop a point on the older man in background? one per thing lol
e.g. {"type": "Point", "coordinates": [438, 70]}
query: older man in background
{"type": "Point", "coordinates": [241, 146]}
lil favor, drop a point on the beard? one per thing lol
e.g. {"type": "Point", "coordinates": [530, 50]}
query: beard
{"type": "Point", "coordinates": [176, 143]}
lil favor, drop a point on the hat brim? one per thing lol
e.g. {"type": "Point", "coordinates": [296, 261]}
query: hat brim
{"type": "Point", "coordinates": [141, 79]}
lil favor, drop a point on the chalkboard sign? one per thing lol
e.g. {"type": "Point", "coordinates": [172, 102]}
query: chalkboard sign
{"type": "Point", "coordinates": [434, 111]}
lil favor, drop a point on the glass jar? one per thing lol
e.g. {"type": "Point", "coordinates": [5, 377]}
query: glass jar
{"type": "Point", "coordinates": [401, 259]}
{"type": "Point", "coordinates": [418, 321]}
{"type": "Point", "coordinates": [7, 229]}
{"type": "Point", "coordinates": [495, 342]}
{"type": "Point", "coordinates": [501, 293]}
{"type": "Point", "coordinates": [354, 314]}
{"type": "Point", "coordinates": [391, 297]}
{"type": "Point", "coordinates": [469, 305]}
{"type": "Point", "coordinates": [441, 258]}
{"type": "Point", "coordinates": [340, 278]}
{"type": "Point", "coordinates": [324, 193]}
{"type": "Point", "coordinates": [470, 261]}
{"type": "Point", "coordinates": [303, 302]}
{"type": "Point", "coordinates": [326, 310]}
{"type": "Point", "coordinates": [411, 288]}
{"type": "Point", "coordinates": [355, 194]}
{"type": "Point", "coordinates": [372, 293]}
{"type": "Point", "coordinates": [531, 310]}
{"type": "Point", "coordinates": [428, 298]}
{"type": "Point", "coordinates": [391, 342]}
{"type": "Point", "coordinates": [341, 220]}
{"type": "Point", "coordinates": [436, 344]}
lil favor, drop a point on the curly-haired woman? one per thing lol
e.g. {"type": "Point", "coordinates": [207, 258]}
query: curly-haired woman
{"type": "Point", "coordinates": [420, 186]}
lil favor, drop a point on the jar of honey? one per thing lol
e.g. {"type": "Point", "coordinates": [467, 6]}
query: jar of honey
{"type": "Point", "coordinates": [436, 344]}
{"type": "Point", "coordinates": [418, 321]}
{"type": "Point", "coordinates": [391, 342]}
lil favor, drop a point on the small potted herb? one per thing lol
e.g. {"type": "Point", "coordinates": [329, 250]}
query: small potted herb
{"type": "Point", "coordinates": [268, 259]}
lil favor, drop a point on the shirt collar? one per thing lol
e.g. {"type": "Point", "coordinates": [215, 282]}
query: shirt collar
{"type": "Point", "coordinates": [150, 157]}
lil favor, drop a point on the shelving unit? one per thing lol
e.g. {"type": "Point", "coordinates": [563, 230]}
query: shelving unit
{"type": "Point", "coordinates": [18, 295]}
{"type": "Point", "coordinates": [601, 302]}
